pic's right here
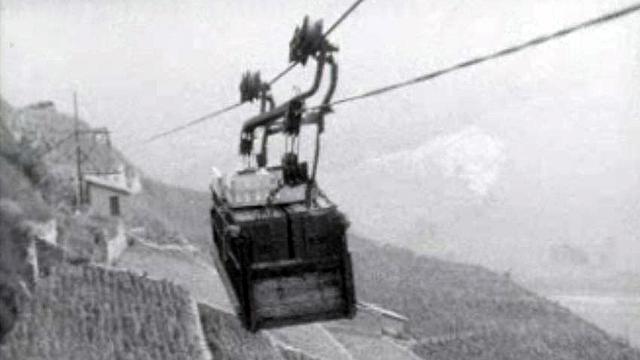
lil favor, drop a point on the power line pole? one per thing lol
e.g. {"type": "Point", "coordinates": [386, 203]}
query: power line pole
{"type": "Point", "coordinates": [81, 156]}
{"type": "Point", "coordinates": [78, 153]}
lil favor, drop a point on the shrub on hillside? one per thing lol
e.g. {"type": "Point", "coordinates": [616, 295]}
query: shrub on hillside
{"type": "Point", "coordinates": [81, 234]}
{"type": "Point", "coordinates": [57, 187]}
{"type": "Point", "coordinates": [13, 262]}
{"type": "Point", "coordinates": [27, 159]}
{"type": "Point", "coordinates": [16, 187]}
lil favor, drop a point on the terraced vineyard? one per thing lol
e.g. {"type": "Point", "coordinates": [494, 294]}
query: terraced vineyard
{"type": "Point", "coordinates": [461, 311]}
{"type": "Point", "coordinates": [528, 342]}
{"type": "Point", "coordinates": [93, 313]}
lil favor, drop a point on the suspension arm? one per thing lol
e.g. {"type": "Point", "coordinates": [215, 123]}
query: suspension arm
{"type": "Point", "coordinates": [268, 117]}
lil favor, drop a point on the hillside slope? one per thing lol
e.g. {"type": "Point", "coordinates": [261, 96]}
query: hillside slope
{"type": "Point", "coordinates": [478, 313]}
{"type": "Point", "coordinates": [19, 203]}
{"type": "Point", "coordinates": [46, 152]}
{"type": "Point", "coordinates": [456, 311]}
{"type": "Point", "coordinates": [170, 215]}
{"type": "Point", "coordinates": [459, 311]}
{"type": "Point", "coordinates": [85, 311]}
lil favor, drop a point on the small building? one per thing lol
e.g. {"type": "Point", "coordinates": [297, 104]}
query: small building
{"type": "Point", "coordinates": [106, 197]}
{"type": "Point", "coordinates": [386, 322]}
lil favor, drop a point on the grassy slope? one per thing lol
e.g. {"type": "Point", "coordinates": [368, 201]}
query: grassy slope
{"type": "Point", "coordinates": [168, 212]}
{"type": "Point", "coordinates": [494, 317]}
{"type": "Point", "coordinates": [444, 298]}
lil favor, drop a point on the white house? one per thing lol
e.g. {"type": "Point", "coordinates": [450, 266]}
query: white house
{"type": "Point", "coordinates": [106, 197]}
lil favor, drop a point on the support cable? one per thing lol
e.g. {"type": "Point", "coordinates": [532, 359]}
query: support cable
{"type": "Point", "coordinates": [236, 105]}
{"type": "Point", "coordinates": [495, 55]}
{"type": "Point", "coordinates": [324, 36]}
{"type": "Point", "coordinates": [187, 125]}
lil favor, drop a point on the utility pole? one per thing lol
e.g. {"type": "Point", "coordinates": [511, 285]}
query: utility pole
{"type": "Point", "coordinates": [78, 153]}
{"type": "Point", "coordinates": [82, 156]}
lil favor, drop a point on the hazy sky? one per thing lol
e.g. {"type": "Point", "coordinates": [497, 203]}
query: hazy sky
{"type": "Point", "coordinates": [144, 66]}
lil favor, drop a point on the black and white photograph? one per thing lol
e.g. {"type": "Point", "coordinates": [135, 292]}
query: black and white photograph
{"type": "Point", "coordinates": [319, 179]}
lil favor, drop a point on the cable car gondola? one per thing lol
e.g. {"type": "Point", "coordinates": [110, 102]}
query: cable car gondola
{"type": "Point", "coordinates": [280, 244]}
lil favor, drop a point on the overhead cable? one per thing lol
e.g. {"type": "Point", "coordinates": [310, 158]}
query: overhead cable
{"type": "Point", "coordinates": [495, 55]}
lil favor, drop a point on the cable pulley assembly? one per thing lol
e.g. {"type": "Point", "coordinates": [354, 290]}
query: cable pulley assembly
{"type": "Point", "coordinates": [251, 86]}
{"type": "Point", "coordinates": [308, 40]}
{"type": "Point", "coordinates": [246, 144]}
{"type": "Point", "coordinates": [293, 117]}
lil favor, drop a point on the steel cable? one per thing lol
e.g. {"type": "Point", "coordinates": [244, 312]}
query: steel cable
{"type": "Point", "coordinates": [231, 107]}
{"type": "Point", "coordinates": [189, 124]}
{"type": "Point", "coordinates": [495, 55]}
{"type": "Point", "coordinates": [326, 33]}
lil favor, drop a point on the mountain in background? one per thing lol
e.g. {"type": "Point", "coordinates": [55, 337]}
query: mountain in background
{"type": "Point", "coordinates": [506, 197]}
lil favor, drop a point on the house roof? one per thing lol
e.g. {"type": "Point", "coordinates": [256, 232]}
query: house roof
{"type": "Point", "coordinates": [106, 184]}
{"type": "Point", "coordinates": [382, 311]}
